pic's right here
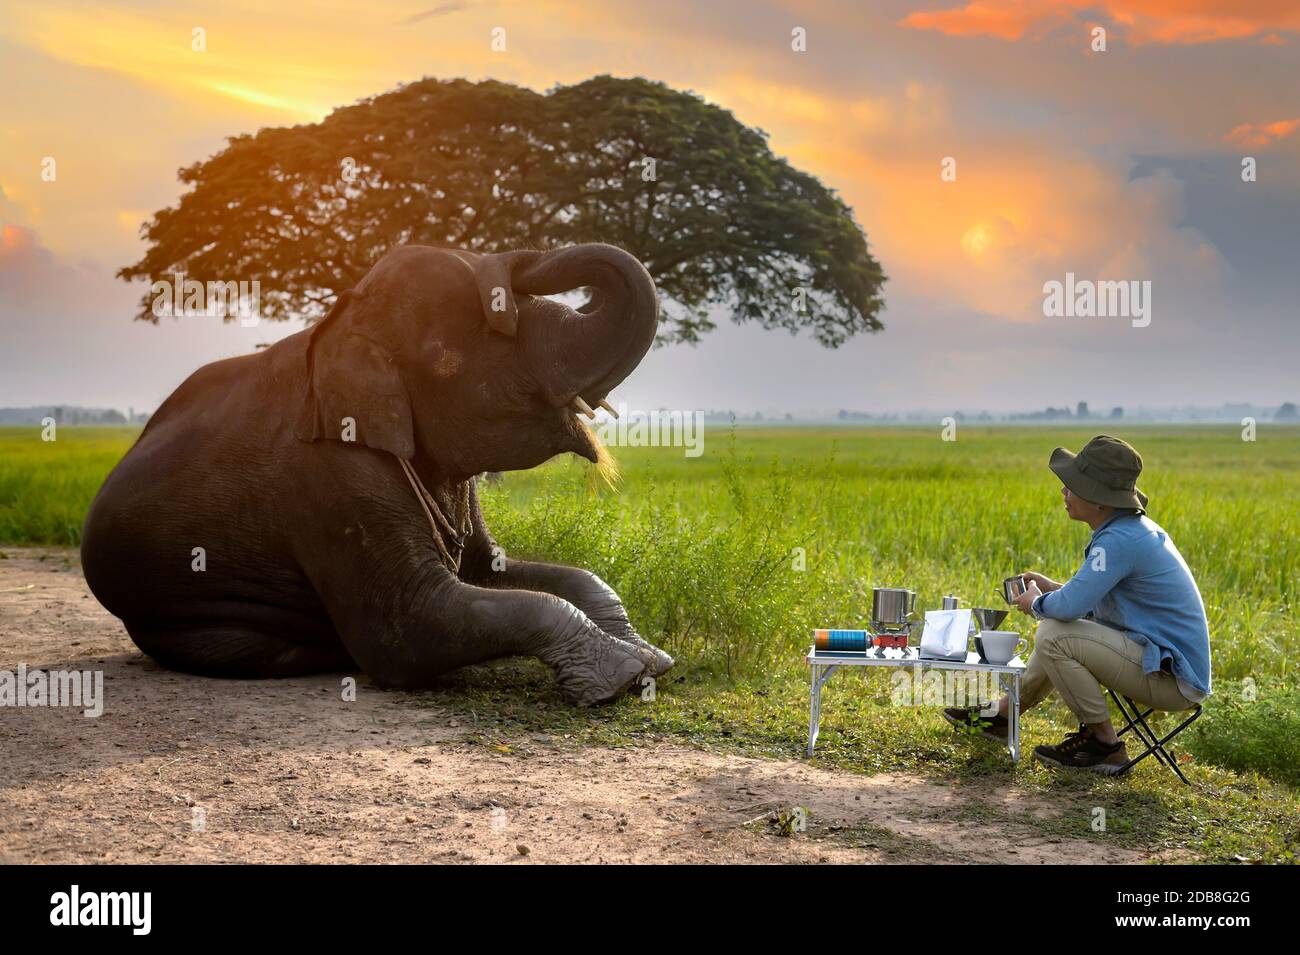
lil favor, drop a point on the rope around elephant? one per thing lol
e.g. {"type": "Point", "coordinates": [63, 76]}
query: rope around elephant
{"type": "Point", "coordinates": [439, 525]}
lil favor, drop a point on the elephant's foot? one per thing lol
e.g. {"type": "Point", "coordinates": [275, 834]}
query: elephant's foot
{"type": "Point", "coordinates": [606, 611]}
{"type": "Point", "coordinates": [619, 628]}
{"type": "Point", "coordinates": [661, 662]}
{"type": "Point", "coordinates": [591, 667]}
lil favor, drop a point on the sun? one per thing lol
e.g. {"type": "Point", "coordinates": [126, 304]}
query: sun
{"type": "Point", "coordinates": [977, 240]}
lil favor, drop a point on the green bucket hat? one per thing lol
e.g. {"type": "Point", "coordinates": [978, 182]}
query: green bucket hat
{"type": "Point", "coordinates": [1104, 472]}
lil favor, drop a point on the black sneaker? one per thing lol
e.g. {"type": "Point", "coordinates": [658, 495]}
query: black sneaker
{"type": "Point", "coordinates": [968, 718]}
{"type": "Point", "coordinates": [1082, 751]}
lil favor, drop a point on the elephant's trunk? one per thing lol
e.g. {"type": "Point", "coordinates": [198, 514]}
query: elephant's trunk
{"type": "Point", "coordinates": [588, 352]}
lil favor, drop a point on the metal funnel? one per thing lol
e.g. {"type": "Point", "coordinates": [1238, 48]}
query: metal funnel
{"type": "Point", "coordinates": [989, 619]}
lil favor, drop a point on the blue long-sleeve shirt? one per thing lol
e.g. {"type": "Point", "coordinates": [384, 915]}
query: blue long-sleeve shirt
{"type": "Point", "coordinates": [1133, 579]}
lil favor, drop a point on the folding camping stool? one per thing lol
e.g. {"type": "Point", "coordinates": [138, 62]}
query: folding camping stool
{"type": "Point", "coordinates": [1136, 720]}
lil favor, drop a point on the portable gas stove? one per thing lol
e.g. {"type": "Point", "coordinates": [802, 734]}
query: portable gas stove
{"type": "Point", "coordinates": [885, 636]}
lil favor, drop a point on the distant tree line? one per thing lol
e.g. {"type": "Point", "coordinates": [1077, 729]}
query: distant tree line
{"type": "Point", "coordinates": [71, 414]}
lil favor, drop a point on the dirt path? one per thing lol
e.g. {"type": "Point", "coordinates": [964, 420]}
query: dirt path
{"type": "Point", "coordinates": [186, 769]}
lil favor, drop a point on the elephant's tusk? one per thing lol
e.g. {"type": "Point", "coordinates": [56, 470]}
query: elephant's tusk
{"type": "Point", "coordinates": [582, 407]}
{"type": "Point", "coordinates": [608, 407]}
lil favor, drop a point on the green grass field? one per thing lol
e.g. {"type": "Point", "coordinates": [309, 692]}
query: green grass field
{"type": "Point", "coordinates": [46, 486]}
{"type": "Point", "coordinates": [730, 559]}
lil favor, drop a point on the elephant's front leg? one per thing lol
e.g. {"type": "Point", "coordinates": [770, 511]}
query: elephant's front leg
{"type": "Point", "coordinates": [485, 563]}
{"type": "Point", "coordinates": [586, 591]}
{"type": "Point", "coordinates": [431, 626]}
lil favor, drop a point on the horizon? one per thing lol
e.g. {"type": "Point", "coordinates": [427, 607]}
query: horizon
{"type": "Point", "coordinates": [1226, 413]}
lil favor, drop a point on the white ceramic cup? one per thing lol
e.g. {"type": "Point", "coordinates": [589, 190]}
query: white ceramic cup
{"type": "Point", "coordinates": [1000, 646]}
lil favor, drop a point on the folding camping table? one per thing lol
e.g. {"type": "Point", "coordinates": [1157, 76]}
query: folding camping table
{"type": "Point", "coordinates": [823, 663]}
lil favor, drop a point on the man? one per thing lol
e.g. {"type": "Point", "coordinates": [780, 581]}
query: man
{"type": "Point", "coordinates": [1131, 618]}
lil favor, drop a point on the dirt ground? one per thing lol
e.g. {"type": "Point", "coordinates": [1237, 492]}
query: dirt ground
{"type": "Point", "coordinates": [187, 769]}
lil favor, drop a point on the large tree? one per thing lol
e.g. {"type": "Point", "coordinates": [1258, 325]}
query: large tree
{"type": "Point", "coordinates": [694, 194]}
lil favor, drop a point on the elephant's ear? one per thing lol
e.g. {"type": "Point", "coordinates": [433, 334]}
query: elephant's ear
{"type": "Point", "coordinates": [493, 274]}
{"type": "Point", "coordinates": [354, 392]}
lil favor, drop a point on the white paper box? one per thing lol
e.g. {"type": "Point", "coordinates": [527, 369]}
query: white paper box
{"type": "Point", "coordinates": [946, 634]}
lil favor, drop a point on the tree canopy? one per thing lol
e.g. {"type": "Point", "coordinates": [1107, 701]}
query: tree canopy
{"type": "Point", "coordinates": [718, 220]}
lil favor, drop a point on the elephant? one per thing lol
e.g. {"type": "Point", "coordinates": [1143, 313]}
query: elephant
{"type": "Point", "coordinates": [312, 507]}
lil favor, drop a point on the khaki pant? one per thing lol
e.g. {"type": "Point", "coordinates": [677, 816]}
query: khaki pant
{"type": "Point", "coordinates": [1079, 657]}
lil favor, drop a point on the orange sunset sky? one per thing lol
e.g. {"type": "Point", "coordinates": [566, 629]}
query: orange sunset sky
{"type": "Point", "coordinates": [1123, 164]}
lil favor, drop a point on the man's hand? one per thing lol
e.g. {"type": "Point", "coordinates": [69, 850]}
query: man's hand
{"type": "Point", "coordinates": [1025, 600]}
{"type": "Point", "coordinates": [1045, 584]}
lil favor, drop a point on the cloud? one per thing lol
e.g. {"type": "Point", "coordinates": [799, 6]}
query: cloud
{"type": "Point", "coordinates": [1143, 21]}
{"type": "Point", "coordinates": [1004, 19]}
{"type": "Point", "coordinates": [25, 264]}
{"type": "Point", "coordinates": [216, 58]}
{"type": "Point", "coordinates": [440, 10]}
{"type": "Point", "coordinates": [1257, 135]}
{"type": "Point", "coordinates": [1023, 209]}
{"type": "Point", "coordinates": [907, 109]}
{"type": "Point", "coordinates": [992, 238]}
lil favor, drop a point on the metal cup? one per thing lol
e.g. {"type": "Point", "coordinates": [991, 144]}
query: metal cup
{"type": "Point", "coordinates": [1013, 587]}
{"type": "Point", "coordinates": [950, 602]}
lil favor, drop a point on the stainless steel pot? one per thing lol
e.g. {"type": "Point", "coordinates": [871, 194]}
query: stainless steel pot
{"type": "Point", "coordinates": [892, 605]}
